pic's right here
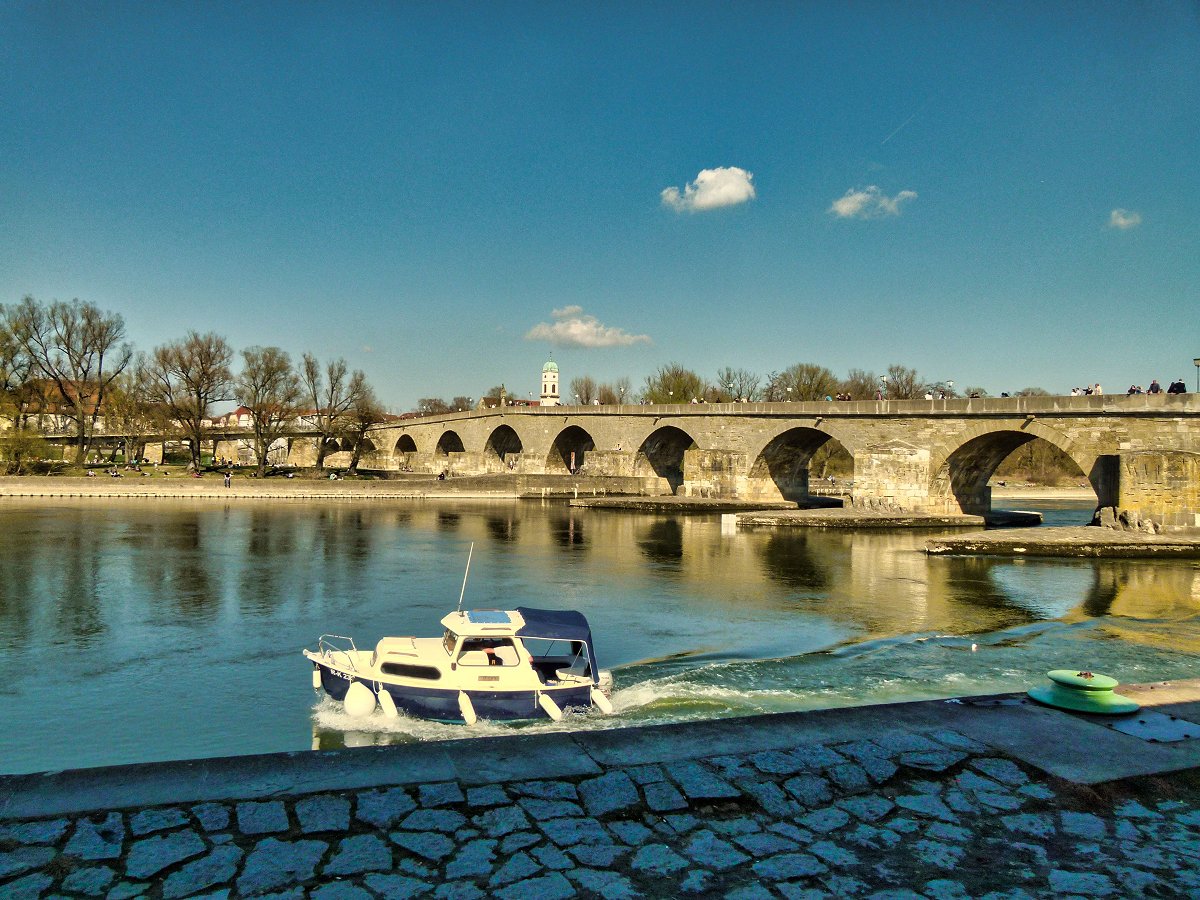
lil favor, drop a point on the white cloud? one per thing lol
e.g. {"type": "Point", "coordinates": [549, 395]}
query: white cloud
{"type": "Point", "coordinates": [713, 188]}
{"type": "Point", "coordinates": [572, 327]}
{"type": "Point", "coordinates": [869, 203]}
{"type": "Point", "coordinates": [1124, 219]}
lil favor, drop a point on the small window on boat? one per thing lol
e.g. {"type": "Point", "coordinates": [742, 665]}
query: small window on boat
{"type": "Point", "coordinates": [408, 670]}
{"type": "Point", "coordinates": [449, 639]}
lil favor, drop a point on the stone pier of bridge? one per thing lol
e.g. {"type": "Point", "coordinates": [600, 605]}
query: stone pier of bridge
{"type": "Point", "coordinates": [1141, 453]}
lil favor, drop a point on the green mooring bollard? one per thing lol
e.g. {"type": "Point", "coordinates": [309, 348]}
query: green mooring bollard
{"type": "Point", "coordinates": [1083, 692]}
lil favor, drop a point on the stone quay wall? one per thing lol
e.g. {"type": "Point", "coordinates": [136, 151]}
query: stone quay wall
{"type": "Point", "coordinates": [976, 797]}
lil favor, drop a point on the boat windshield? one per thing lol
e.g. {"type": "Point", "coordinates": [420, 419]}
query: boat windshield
{"type": "Point", "coordinates": [449, 639]}
{"type": "Point", "coordinates": [561, 651]}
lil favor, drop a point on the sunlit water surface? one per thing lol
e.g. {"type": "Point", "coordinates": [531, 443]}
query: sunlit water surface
{"type": "Point", "coordinates": [146, 630]}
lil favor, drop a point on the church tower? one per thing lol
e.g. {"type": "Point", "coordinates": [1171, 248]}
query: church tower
{"type": "Point", "coordinates": [549, 396]}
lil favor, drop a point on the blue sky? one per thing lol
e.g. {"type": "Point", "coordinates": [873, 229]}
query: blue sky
{"type": "Point", "coordinates": [1000, 194]}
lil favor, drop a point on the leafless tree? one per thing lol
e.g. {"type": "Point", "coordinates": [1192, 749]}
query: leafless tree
{"type": "Point", "coordinates": [904, 383]}
{"type": "Point", "coordinates": [583, 389]}
{"type": "Point", "coordinates": [186, 378]}
{"type": "Point", "coordinates": [365, 412]}
{"type": "Point", "coordinates": [736, 384]}
{"type": "Point", "coordinates": [860, 385]}
{"type": "Point", "coordinates": [16, 368]}
{"type": "Point", "coordinates": [332, 396]}
{"type": "Point", "coordinates": [80, 350]}
{"type": "Point", "coordinates": [432, 406]}
{"type": "Point", "coordinates": [130, 411]}
{"type": "Point", "coordinates": [618, 391]}
{"type": "Point", "coordinates": [270, 389]}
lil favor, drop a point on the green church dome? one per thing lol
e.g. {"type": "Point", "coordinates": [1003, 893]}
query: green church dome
{"type": "Point", "coordinates": [550, 366]}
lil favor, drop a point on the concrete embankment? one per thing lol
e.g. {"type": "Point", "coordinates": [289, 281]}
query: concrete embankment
{"type": "Point", "coordinates": [1080, 541]}
{"type": "Point", "coordinates": [939, 799]}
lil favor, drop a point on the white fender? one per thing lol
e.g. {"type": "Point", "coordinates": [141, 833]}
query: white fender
{"type": "Point", "coordinates": [602, 702]}
{"type": "Point", "coordinates": [467, 708]}
{"type": "Point", "coordinates": [316, 679]}
{"type": "Point", "coordinates": [387, 704]}
{"type": "Point", "coordinates": [360, 701]}
{"type": "Point", "coordinates": [546, 702]}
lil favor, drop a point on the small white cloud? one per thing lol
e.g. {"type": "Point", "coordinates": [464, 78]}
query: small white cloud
{"type": "Point", "coordinates": [572, 327]}
{"type": "Point", "coordinates": [713, 188]}
{"type": "Point", "coordinates": [869, 203]}
{"type": "Point", "coordinates": [1124, 219]}
{"type": "Point", "coordinates": [367, 348]}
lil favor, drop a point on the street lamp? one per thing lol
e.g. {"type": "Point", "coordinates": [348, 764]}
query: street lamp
{"type": "Point", "coordinates": [671, 395]}
{"type": "Point", "coordinates": [622, 397]}
{"type": "Point", "coordinates": [789, 390]}
{"type": "Point", "coordinates": [883, 386]}
{"type": "Point", "coordinates": [1196, 362]}
{"type": "Point", "coordinates": [730, 386]}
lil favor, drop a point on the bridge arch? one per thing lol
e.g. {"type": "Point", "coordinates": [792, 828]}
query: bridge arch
{"type": "Point", "coordinates": [448, 443]}
{"type": "Point", "coordinates": [569, 451]}
{"type": "Point", "coordinates": [780, 470]}
{"type": "Point", "coordinates": [664, 453]}
{"type": "Point", "coordinates": [404, 452]}
{"type": "Point", "coordinates": [503, 449]}
{"type": "Point", "coordinates": [960, 475]}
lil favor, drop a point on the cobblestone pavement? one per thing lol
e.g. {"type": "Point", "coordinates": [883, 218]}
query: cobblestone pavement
{"type": "Point", "coordinates": [924, 814]}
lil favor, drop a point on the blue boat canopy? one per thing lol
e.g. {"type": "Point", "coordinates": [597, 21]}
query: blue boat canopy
{"type": "Point", "coordinates": [565, 624]}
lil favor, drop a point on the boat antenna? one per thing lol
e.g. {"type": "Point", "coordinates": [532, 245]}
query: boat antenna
{"type": "Point", "coordinates": [465, 574]}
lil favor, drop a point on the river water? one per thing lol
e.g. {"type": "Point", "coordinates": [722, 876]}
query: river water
{"type": "Point", "coordinates": [133, 631]}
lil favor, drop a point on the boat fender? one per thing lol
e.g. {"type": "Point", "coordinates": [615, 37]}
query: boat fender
{"type": "Point", "coordinates": [602, 702]}
{"type": "Point", "coordinates": [316, 677]}
{"type": "Point", "coordinates": [546, 702]}
{"type": "Point", "coordinates": [387, 704]}
{"type": "Point", "coordinates": [467, 708]}
{"type": "Point", "coordinates": [360, 700]}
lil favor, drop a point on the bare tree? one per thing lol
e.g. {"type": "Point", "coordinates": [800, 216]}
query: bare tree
{"type": "Point", "coordinates": [904, 383]}
{"type": "Point", "coordinates": [673, 383]}
{"type": "Point", "coordinates": [16, 368]}
{"type": "Point", "coordinates": [270, 389]}
{"type": "Point", "coordinates": [735, 384]}
{"type": "Point", "coordinates": [332, 396]}
{"type": "Point", "coordinates": [610, 394]}
{"type": "Point", "coordinates": [433, 406]}
{"type": "Point", "coordinates": [365, 412]}
{"type": "Point", "coordinates": [860, 385]}
{"type": "Point", "coordinates": [130, 411]}
{"type": "Point", "coordinates": [772, 391]}
{"type": "Point", "coordinates": [80, 350]}
{"type": "Point", "coordinates": [186, 378]}
{"type": "Point", "coordinates": [583, 389]}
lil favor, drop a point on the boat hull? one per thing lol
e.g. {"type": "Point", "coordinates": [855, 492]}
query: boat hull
{"type": "Point", "coordinates": [441, 704]}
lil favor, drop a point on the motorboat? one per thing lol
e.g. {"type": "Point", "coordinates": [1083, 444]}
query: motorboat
{"type": "Point", "coordinates": [491, 664]}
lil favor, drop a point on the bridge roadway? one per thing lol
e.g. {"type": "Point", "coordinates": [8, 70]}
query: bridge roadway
{"type": "Point", "coordinates": [1141, 453]}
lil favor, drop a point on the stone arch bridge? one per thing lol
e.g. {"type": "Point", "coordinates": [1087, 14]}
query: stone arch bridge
{"type": "Point", "coordinates": [1141, 453]}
